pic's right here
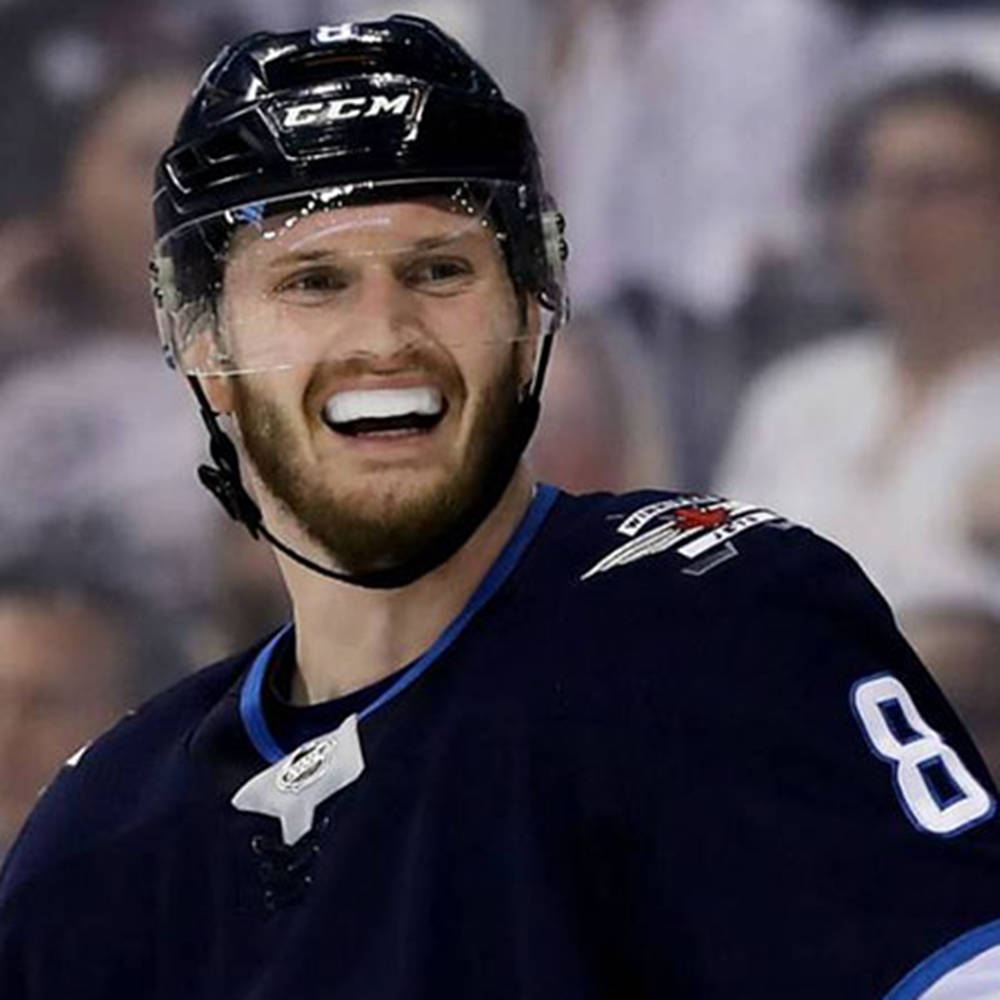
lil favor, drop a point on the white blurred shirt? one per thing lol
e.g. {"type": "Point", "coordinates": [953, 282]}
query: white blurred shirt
{"type": "Point", "coordinates": [675, 141]}
{"type": "Point", "coordinates": [805, 443]}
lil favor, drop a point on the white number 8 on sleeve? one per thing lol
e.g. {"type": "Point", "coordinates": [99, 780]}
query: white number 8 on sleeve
{"type": "Point", "coordinates": [937, 790]}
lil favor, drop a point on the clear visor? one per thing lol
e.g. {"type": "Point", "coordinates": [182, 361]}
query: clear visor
{"type": "Point", "coordinates": [368, 268]}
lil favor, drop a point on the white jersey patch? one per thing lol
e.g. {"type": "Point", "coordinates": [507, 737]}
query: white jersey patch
{"type": "Point", "coordinates": [291, 789]}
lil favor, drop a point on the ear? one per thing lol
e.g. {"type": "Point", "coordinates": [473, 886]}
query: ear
{"type": "Point", "coordinates": [530, 340]}
{"type": "Point", "coordinates": [218, 391]}
{"type": "Point", "coordinates": [202, 361]}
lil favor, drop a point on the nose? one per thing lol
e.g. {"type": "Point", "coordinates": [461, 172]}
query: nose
{"type": "Point", "coordinates": [386, 318]}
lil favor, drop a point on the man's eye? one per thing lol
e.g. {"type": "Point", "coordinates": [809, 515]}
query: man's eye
{"type": "Point", "coordinates": [311, 284]}
{"type": "Point", "coordinates": [439, 272]}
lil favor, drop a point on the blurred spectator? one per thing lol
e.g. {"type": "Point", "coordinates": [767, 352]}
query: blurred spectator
{"type": "Point", "coordinates": [85, 476]}
{"type": "Point", "coordinates": [696, 372]}
{"type": "Point", "coordinates": [98, 441]}
{"type": "Point", "coordinates": [801, 296]}
{"type": "Point", "coordinates": [97, 454]}
{"type": "Point", "coordinates": [675, 131]}
{"type": "Point", "coordinates": [603, 425]}
{"type": "Point", "coordinates": [74, 659]}
{"type": "Point", "coordinates": [95, 86]}
{"type": "Point", "coordinates": [876, 436]}
{"type": "Point", "coordinates": [105, 225]}
{"type": "Point", "coordinates": [907, 37]}
{"type": "Point", "coordinates": [878, 8]}
{"type": "Point", "coordinates": [85, 266]}
{"type": "Point", "coordinates": [506, 37]}
{"type": "Point", "coordinates": [983, 511]}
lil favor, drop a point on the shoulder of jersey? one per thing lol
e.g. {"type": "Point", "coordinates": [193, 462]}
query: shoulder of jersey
{"type": "Point", "coordinates": [650, 577]}
{"type": "Point", "coordinates": [697, 540]}
{"type": "Point", "coordinates": [136, 767]}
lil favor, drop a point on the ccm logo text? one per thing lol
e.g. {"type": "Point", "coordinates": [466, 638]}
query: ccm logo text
{"type": "Point", "coordinates": [344, 108]}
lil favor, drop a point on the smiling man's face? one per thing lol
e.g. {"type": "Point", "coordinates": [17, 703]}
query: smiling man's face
{"type": "Point", "coordinates": [385, 350]}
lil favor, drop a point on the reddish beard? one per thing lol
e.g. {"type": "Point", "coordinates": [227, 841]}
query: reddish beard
{"type": "Point", "coordinates": [363, 536]}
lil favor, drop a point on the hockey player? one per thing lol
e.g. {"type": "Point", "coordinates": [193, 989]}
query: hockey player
{"type": "Point", "coordinates": [515, 743]}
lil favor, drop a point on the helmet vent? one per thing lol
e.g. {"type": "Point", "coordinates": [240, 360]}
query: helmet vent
{"type": "Point", "coordinates": [226, 146]}
{"type": "Point", "coordinates": [223, 156]}
{"type": "Point", "coordinates": [307, 69]}
{"type": "Point", "coordinates": [432, 64]}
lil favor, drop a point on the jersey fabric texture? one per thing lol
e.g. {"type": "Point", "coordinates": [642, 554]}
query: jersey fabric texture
{"type": "Point", "coordinates": [678, 749]}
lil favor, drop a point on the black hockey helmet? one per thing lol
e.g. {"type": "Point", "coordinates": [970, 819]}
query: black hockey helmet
{"type": "Point", "coordinates": [335, 116]}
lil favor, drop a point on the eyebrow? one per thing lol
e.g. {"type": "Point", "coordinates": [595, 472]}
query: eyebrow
{"type": "Point", "coordinates": [314, 256]}
{"type": "Point", "coordinates": [302, 257]}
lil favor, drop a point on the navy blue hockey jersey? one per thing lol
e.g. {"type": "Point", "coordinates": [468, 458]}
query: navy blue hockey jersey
{"type": "Point", "coordinates": [673, 748]}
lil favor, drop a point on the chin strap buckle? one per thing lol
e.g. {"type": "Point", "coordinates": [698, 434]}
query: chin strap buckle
{"type": "Point", "coordinates": [223, 479]}
{"type": "Point", "coordinates": [234, 499]}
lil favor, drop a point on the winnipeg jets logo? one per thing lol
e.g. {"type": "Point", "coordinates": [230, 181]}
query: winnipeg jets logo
{"type": "Point", "coordinates": [699, 528]}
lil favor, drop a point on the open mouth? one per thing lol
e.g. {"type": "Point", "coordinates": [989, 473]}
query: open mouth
{"type": "Point", "coordinates": [385, 412]}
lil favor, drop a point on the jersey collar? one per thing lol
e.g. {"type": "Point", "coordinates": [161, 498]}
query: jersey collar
{"type": "Point", "coordinates": [252, 691]}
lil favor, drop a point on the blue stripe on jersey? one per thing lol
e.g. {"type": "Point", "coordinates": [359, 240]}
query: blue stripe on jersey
{"type": "Point", "coordinates": [946, 960]}
{"type": "Point", "coordinates": [251, 701]}
{"type": "Point", "coordinates": [251, 695]}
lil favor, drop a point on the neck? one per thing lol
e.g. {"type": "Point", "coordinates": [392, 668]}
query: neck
{"type": "Point", "coordinates": [348, 637]}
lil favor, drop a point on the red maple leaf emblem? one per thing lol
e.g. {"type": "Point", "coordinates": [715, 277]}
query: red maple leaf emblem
{"type": "Point", "coordinates": [688, 518]}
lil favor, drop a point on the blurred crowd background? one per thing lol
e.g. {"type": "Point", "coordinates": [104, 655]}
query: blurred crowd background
{"type": "Point", "coordinates": [785, 228]}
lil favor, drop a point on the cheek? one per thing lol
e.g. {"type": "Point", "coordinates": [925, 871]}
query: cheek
{"type": "Point", "coordinates": [488, 370]}
{"type": "Point", "coordinates": [514, 336]}
{"type": "Point", "coordinates": [247, 327]}
{"type": "Point", "coordinates": [485, 346]}
{"type": "Point", "coordinates": [270, 404]}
